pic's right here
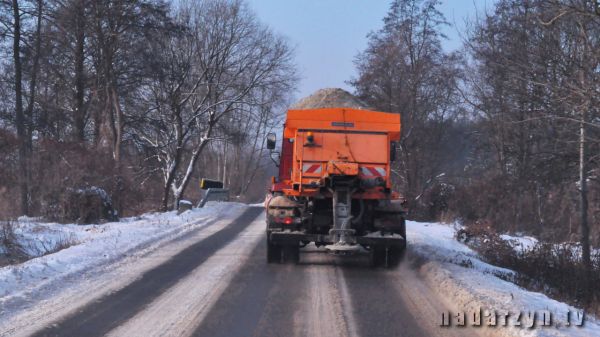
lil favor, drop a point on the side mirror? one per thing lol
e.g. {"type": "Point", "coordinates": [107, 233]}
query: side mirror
{"type": "Point", "coordinates": [392, 151]}
{"type": "Point", "coordinates": [271, 141]}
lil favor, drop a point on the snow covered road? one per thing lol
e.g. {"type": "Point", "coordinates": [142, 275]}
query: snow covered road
{"type": "Point", "coordinates": [208, 277]}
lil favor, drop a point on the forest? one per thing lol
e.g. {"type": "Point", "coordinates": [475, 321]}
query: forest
{"type": "Point", "coordinates": [142, 98]}
{"type": "Point", "coordinates": [502, 135]}
{"type": "Point", "coordinates": [138, 98]}
{"type": "Point", "coordinates": [504, 130]}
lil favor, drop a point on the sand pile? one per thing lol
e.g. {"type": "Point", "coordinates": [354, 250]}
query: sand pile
{"type": "Point", "coordinates": [330, 98]}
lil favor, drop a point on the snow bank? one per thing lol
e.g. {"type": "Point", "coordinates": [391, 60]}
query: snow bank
{"type": "Point", "coordinates": [520, 243]}
{"type": "Point", "coordinates": [95, 245]}
{"type": "Point", "coordinates": [38, 238]}
{"type": "Point", "coordinates": [458, 275]}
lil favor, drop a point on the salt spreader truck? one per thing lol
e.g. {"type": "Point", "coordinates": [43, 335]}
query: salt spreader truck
{"type": "Point", "coordinates": [334, 187]}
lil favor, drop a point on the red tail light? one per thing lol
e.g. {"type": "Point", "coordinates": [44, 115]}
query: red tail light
{"type": "Point", "coordinates": [288, 221]}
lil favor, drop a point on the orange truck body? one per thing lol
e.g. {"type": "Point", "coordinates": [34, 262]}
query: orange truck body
{"type": "Point", "coordinates": [348, 142]}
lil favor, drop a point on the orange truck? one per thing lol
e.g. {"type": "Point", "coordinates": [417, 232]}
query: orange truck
{"type": "Point", "coordinates": [334, 187]}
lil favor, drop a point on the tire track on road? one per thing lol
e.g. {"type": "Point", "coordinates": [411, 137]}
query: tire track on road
{"type": "Point", "coordinates": [378, 309]}
{"type": "Point", "coordinates": [261, 300]}
{"type": "Point", "coordinates": [394, 302]}
{"type": "Point", "coordinates": [101, 316]}
{"type": "Point", "coordinates": [179, 310]}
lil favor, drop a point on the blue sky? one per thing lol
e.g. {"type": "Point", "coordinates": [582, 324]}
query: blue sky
{"type": "Point", "coordinates": [327, 34]}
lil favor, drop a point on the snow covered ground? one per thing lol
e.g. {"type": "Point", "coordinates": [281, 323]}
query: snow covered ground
{"type": "Point", "coordinates": [451, 269]}
{"type": "Point", "coordinates": [457, 274]}
{"type": "Point", "coordinates": [92, 246]}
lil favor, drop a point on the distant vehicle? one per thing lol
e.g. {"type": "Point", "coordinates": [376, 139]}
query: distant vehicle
{"type": "Point", "coordinates": [334, 186]}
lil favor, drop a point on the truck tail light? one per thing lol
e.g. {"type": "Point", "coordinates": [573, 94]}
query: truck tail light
{"type": "Point", "coordinates": [286, 221]}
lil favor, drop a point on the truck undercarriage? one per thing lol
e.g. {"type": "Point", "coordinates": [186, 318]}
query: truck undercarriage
{"type": "Point", "coordinates": [342, 224]}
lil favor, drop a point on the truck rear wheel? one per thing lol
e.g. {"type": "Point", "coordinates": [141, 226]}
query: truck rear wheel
{"type": "Point", "coordinates": [375, 257]}
{"type": "Point", "coordinates": [291, 253]}
{"type": "Point", "coordinates": [273, 251]}
{"type": "Point", "coordinates": [403, 230]}
{"type": "Point", "coordinates": [395, 256]}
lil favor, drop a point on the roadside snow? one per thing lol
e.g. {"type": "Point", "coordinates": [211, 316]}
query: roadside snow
{"type": "Point", "coordinates": [38, 238]}
{"type": "Point", "coordinates": [520, 243]}
{"type": "Point", "coordinates": [436, 241]}
{"type": "Point", "coordinates": [459, 276]}
{"type": "Point", "coordinates": [94, 245]}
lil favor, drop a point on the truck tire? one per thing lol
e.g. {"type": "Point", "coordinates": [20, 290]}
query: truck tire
{"type": "Point", "coordinates": [395, 255]}
{"type": "Point", "coordinates": [376, 256]}
{"type": "Point", "coordinates": [273, 251]}
{"type": "Point", "coordinates": [291, 253]}
{"type": "Point", "coordinates": [403, 229]}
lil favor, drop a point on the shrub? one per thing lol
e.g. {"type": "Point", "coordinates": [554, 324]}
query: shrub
{"type": "Point", "coordinates": [84, 206]}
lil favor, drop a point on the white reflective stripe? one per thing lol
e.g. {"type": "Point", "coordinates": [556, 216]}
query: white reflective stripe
{"type": "Point", "coordinates": [368, 171]}
{"type": "Point", "coordinates": [312, 168]}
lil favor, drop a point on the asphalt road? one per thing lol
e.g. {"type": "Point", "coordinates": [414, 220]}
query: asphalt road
{"type": "Point", "coordinates": [221, 285]}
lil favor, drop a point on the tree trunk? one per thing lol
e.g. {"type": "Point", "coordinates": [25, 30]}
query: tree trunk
{"type": "Point", "coordinates": [78, 106]}
{"type": "Point", "coordinates": [19, 115]}
{"type": "Point", "coordinates": [224, 177]}
{"type": "Point", "coordinates": [186, 178]}
{"type": "Point", "coordinates": [170, 179]}
{"type": "Point", "coordinates": [179, 191]}
{"type": "Point", "coordinates": [583, 198]}
{"type": "Point", "coordinates": [118, 125]}
{"type": "Point", "coordinates": [583, 160]}
{"type": "Point", "coordinates": [33, 80]}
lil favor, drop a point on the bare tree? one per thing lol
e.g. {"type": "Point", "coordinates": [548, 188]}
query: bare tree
{"type": "Point", "coordinates": [534, 94]}
{"type": "Point", "coordinates": [141, 82]}
{"type": "Point", "coordinates": [214, 70]}
{"type": "Point", "coordinates": [243, 154]}
{"type": "Point", "coordinates": [19, 115]}
{"type": "Point", "coordinates": [24, 98]}
{"type": "Point", "coordinates": [79, 108]}
{"type": "Point", "coordinates": [120, 33]}
{"type": "Point", "coordinates": [583, 16]}
{"type": "Point", "coordinates": [404, 70]}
